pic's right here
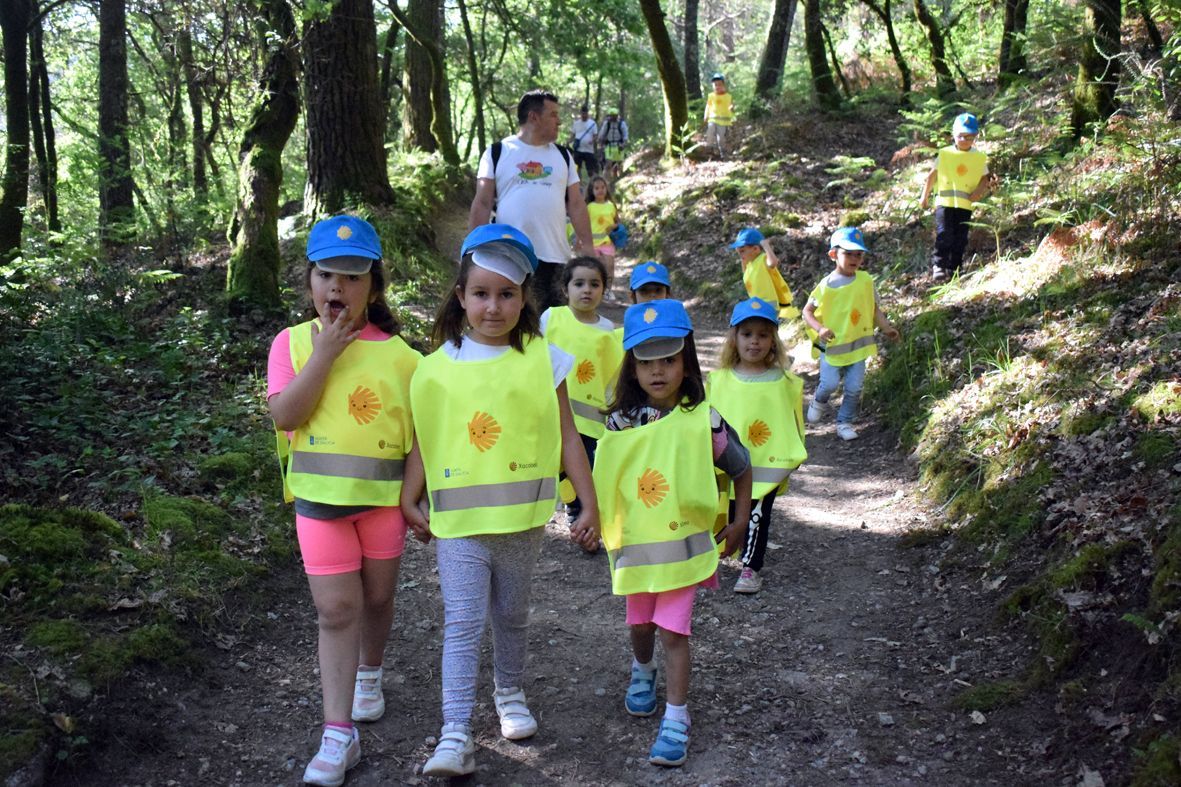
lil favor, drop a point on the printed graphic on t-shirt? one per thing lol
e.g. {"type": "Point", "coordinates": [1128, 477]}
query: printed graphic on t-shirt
{"type": "Point", "coordinates": [483, 431]}
{"type": "Point", "coordinates": [533, 170]}
{"type": "Point", "coordinates": [363, 403]}
{"type": "Point", "coordinates": [653, 487]}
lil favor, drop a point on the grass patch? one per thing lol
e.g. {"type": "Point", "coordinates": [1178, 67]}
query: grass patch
{"type": "Point", "coordinates": [1159, 763]}
{"type": "Point", "coordinates": [988, 696]}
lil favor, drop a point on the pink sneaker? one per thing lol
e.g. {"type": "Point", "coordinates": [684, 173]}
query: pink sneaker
{"type": "Point", "coordinates": [339, 752]}
{"type": "Point", "coordinates": [749, 581]}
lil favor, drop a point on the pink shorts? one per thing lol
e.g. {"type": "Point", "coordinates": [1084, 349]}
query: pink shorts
{"type": "Point", "coordinates": [606, 250]}
{"type": "Point", "coordinates": [336, 546]}
{"type": "Point", "coordinates": [671, 610]}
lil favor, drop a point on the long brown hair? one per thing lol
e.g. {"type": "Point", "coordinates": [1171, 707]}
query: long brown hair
{"type": "Point", "coordinates": [630, 396]}
{"type": "Point", "coordinates": [729, 358]}
{"type": "Point", "coordinates": [451, 318]}
{"type": "Point", "coordinates": [378, 312]}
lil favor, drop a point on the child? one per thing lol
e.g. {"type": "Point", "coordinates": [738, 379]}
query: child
{"type": "Point", "coordinates": [764, 402]}
{"type": "Point", "coordinates": [340, 385]}
{"type": "Point", "coordinates": [604, 218]}
{"type": "Point", "coordinates": [655, 472]}
{"type": "Point", "coordinates": [760, 272]}
{"type": "Point", "coordinates": [649, 282]}
{"type": "Point", "coordinates": [961, 172]}
{"type": "Point", "coordinates": [719, 114]}
{"type": "Point", "coordinates": [493, 426]}
{"type": "Point", "coordinates": [842, 337]}
{"type": "Point", "coordinates": [590, 338]}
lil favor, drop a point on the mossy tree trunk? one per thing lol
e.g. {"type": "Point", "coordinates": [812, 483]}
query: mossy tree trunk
{"type": "Point", "coordinates": [692, 50]}
{"type": "Point", "coordinates": [672, 80]}
{"type": "Point", "coordinates": [886, 14]}
{"type": "Point", "coordinates": [41, 123]}
{"type": "Point", "coordinates": [944, 81]}
{"type": "Point", "coordinates": [822, 82]}
{"type": "Point", "coordinates": [15, 16]}
{"type": "Point", "coordinates": [1012, 59]}
{"type": "Point", "coordinates": [473, 67]}
{"type": "Point", "coordinates": [115, 186]}
{"type": "Point", "coordinates": [428, 95]}
{"type": "Point", "coordinates": [775, 51]}
{"type": "Point", "coordinates": [1099, 66]}
{"type": "Point", "coordinates": [253, 275]}
{"type": "Point", "coordinates": [192, 77]}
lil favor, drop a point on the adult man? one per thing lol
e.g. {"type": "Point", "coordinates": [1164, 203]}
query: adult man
{"type": "Point", "coordinates": [613, 138]}
{"type": "Point", "coordinates": [582, 141]}
{"type": "Point", "coordinates": [533, 186]}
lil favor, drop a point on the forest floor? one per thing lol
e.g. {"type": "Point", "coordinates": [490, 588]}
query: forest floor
{"type": "Point", "coordinates": [843, 669]}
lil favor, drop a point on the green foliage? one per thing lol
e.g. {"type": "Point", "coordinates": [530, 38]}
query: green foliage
{"type": "Point", "coordinates": [185, 520]}
{"type": "Point", "coordinates": [59, 637]}
{"type": "Point", "coordinates": [25, 730]}
{"type": "Point", "coordinates": [1159, 764]}
{"type": "Point", "coordinates": [989, 696]}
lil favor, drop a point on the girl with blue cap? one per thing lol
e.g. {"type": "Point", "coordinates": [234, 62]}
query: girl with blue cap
{"type": "Point", "coordinates": [655, 475]}
{"type": "Point", "coordinates": [493, 426]}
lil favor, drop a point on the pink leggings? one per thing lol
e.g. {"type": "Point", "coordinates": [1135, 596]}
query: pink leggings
{"type": "Point", "coordinates": [336, 546]}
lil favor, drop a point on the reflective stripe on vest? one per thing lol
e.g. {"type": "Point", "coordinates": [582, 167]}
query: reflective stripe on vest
{"type": "Point", "coordinates": [658, 502]}
{"type": "Point", "coordinates": [490, 451]}
{"type": "Point", "coordinates": [351, 450]}
{"type": "Point", "coordinates": [768, 416]}
{"type": "Point", "coordinates": [958, 172]}
{"type": "Point", "coordinates": [848, 312]}
{"type": "Point", "coordinates": [598, 354]}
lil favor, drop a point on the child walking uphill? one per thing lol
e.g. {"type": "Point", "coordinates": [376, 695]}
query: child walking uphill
{"type": "Point", "coordinates": [581, 331]}
{"type": "Point", "coordinates": [959, 179]}
{"type": "Point", "coordinates": [764, 402]}
{"type": "Point", "coordinates": [760, 272]}
{"type": "Point", "coordinates": [488, 454]}
{"type": "Point", "coordinates": [604, 218]}
{"type": "Point", "coordinates": [654, 472]}
{"type": "Point", "coordinates": [340, 384]}
{"type": "Point", "coordinates": [842, 312]}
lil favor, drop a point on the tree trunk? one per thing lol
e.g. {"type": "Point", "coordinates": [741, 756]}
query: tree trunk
{"type": "Point", "coordinates": [473, 68]}
{"type": "Point", "coordinates": [253, 274]}
{"type": "Point", "coordinates": [184, 51]}
{"type": "Point", "coordinates": [672, 81]}
{"type": "Point", "coordinates": [1150, 29]}
{"type": "Point", "coordinates": [1012, 58]}
{"type": "Point", "coordinates": [836, 64]}
{"type": "Point", "coordinates": [944, 81]}
{"type": "Point", "coordinates": [822, 82]}
{"type": "Point", "coordinates": [438, 98]}
{"type": "Point", "coordinates": [115, 187]}
{"type": "Point", "coordinates": [15, 16]}
{"type": "Point", "coordinates": [1099, 66]}
{"type": "Point", "coordinates": [775, 52]}
{"type": "Point", "coordinates": [416, 84]}
{"type": "Point", "coordinates": [387, 62]}
{"type": "Point", "coordinates": [346, 155]}
{"type": "Point", "coordinates": [41, 123]}
{"type": "Point", "coordinates": [692, 50]}
{"type": "Point", "coordinates": [885, 13]}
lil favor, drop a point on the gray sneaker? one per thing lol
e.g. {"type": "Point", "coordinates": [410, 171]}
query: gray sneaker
{"type": "Point", "coordinates": [817, 411]}
{"type": "Point", "coordinates": [455, 755]}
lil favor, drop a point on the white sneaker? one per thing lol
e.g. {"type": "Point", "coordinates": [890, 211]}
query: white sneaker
{"type": "Point", "coordinates": [846, 432]}
{"type": "Point", "coordinates": [368, 701]}
{"type": "Point", "coordinates": [455, 755]}
{"type": "Point", "coordinates": [516, 722]}
{"type": "Point", "coordinates": [749, 581]}
{"type": "Point", "coordinates": [817, 411]}
{"type": "Point", "coordinates": [339, 752]}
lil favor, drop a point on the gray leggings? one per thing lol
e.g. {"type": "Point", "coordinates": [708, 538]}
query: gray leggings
{"type": "Point", "coordinates": [478, 575]}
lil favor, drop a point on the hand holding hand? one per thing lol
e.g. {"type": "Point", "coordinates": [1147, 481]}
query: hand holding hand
{"type": "Point", "coordinates": [585, 530]}
{"type": "Point", "coordinates": [418, 517]}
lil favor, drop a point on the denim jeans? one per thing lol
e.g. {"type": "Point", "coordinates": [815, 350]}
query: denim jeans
{"type": "Point", "coordinates": [830, 378]}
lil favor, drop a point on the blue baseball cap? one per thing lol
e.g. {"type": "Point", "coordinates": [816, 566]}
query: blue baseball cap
{"type": "Point", "coordinates": [965, 124]}
{"type": "Point", "coordinates": [848, 238]}
{"type": "Point", "coordinates": [343, 244]}
{"type": "Point", "coordinates": [649, 272]}
{"type": "Point", "coordinates": [656, 329]}
{"type": "Point", "coordinates": [747, 237]}
{"type": "Point", "coordinates": [502, 249]}
{"type": "Point", "coordinates": [717, 77]}
{"type": "Point", "coordinates": [754, 307]}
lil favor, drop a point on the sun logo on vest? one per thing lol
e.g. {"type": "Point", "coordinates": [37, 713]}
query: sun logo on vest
{"type": "Point", "coordinates": [585, 372]}
{"type": "Point", "coordinates": [854, 316]}
{"type": "Point", "coordinates": [652, 487]}
{"type": "Point", "coordinates": [483, 431]}
{"type": "Point", "coordinates": [961, 170]}
{"type": "Point", "coordinates": [364, 405]}
{"type": "Point", "coordinates": [758, 433]}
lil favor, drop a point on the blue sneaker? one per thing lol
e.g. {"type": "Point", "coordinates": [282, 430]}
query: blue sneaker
{"type": "Point", "coordinates": [672, 744]}
{"type": "Point", "coordinates": [641, 693]}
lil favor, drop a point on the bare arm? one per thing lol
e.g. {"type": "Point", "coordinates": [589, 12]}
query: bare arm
{"type": "Point", "coordinates": [772, 257]}
{"type": "Point", "coordinates": [585, 529]}
{"type": "Point", "coordinates": [925, 200]}
{"type": "Point", "coordinates": [824, 334]}
{"type": "Point", "coordinates": [735, 532]}
{"type": "Point", "coordinates": [482, 203]}
{"type": "Point", "coordinates": [880, 320]}
{"type": "Point", "coordinates": [293, 406]}
{"type": "Point", "coordinates": [576, 209]}
{"type": "Point", "coordinates": [415, 507]}
{"type": "Point", "coordinates": [983, 188]}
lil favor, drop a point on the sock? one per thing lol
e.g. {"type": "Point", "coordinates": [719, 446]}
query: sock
{"type": "Point", "coordinates": [342, 726]}
{"type": "Point", "coordinates": [677, 713]}
{"type": "Point", "coordinates": [648, 668]}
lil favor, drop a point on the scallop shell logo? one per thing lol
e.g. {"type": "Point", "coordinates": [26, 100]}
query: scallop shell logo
{"type": "Point", "coordinates": [854, 316]}
{"type": "Point", "coordinates": [483, 431]}
{"type": "Point", "coordinates": [758, 433]}
{"type": "Point", "coordinates": [650, 315]}
{"type": "Point", "coordinates": [364, 405]}
{"type": "Point", "coordinates": [585, 372]}
{"type": "Point", "coordinates": [652, 488]}
{"type": "Point", "coordinates": [344, 233]}
{"type": "Point", "coordinates": [961, 170]}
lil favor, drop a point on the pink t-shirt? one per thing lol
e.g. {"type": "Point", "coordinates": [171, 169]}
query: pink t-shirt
{"type": "Point", "coordinates": [280, 372]}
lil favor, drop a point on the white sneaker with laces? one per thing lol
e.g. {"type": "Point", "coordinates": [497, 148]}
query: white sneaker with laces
{"type": "Point", "coordinates": [339, 751]}
{"type": "Point", "coordinates": [455, 755]}
{"type": "Point", "coordinates": [516, 722]}
{"type": "Point", "coordinates": [817, 411]}
{"type": "Point", "coordinates": [846, 432]}
{"type": "Point", "coordinates": [749, 581]}
{"type": "Point", "coordinates": [368, 700]}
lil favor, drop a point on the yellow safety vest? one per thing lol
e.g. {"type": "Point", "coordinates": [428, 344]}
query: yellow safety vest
{"type": "Point", "coordinates": [848, 312]}
{"type": "Point", "coordinates": [718, 109]}
{"type": "Point", "coordinates": [602, 219]}
{"type": "Point", "coordinates": [491, 440]}
{"type": "Point", "coordinates": [768, 283]}
{"type": "Point", "coordinates": [597, 356]}
{"type": "Point", "coordinates": [958, 173]}
{"type": "Point", "coordinates": [352, 449]}
{"type": "Point", "coordinates": [769, 418]}
{"type": "Point", "coordinates": [657, 502]}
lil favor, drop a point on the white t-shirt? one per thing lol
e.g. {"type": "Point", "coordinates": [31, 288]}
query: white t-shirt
{"type": "Point", "coordinates": [603, 324]}
{"type": "Point", "coordinates": [560, 361]}
{"type": "Point", "coordinates": [531, 183]}
{"type": "Point", "coordinates": [584, 133]}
